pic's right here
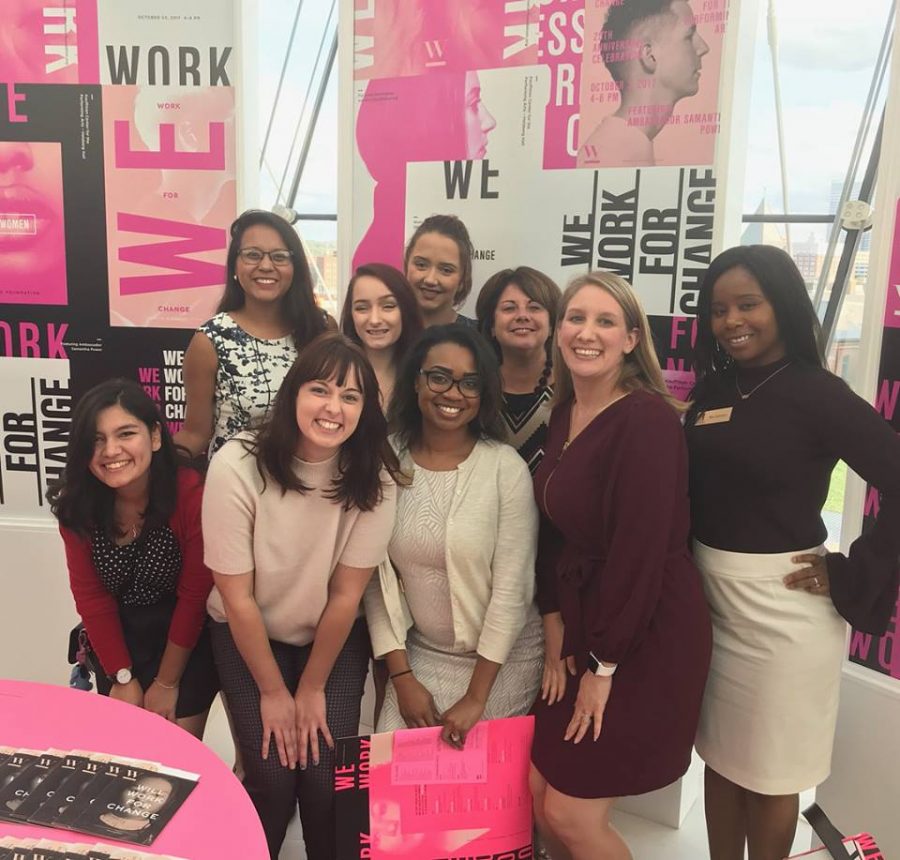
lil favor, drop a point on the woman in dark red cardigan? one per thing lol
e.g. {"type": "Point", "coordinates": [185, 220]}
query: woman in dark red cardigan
{"type": "Point", "coordinates": [130, 520]}
{"type": "Point", "coordinates": [622, 601]}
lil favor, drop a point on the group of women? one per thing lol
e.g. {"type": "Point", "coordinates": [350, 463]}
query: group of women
{"type": "Point", "coordinates": [500, 512]}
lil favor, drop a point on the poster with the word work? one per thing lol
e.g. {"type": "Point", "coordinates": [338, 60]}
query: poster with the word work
{"type": "Point", "coordinates": [882, 654]}
{"type": "Point", "coordinates": [579, 139]}
{"type": "Point", "coordinates": [409, 794]}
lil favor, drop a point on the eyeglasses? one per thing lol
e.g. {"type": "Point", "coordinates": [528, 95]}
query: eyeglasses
{"type": "Point", "coordinates": [440, 381]}
{"type": "Point", "coordinates": [253, 256]}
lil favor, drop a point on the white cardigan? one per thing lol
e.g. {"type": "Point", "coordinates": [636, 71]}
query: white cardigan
{"type": "Point", "coordinates": [490, 552]}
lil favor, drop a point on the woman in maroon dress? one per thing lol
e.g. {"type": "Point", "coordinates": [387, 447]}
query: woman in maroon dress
{"type": "Point", "coordinates": [615, 578]}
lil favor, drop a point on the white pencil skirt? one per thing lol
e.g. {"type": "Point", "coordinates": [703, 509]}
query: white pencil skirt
{"type": "Point", "coordinates": [770, 707]}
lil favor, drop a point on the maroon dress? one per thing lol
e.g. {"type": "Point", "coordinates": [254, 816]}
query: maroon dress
{"type": "Point", "coordinates": [613, 559]}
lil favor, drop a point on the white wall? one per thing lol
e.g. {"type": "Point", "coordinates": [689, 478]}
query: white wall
{"type": "Point", "coordinates": [36, 607]}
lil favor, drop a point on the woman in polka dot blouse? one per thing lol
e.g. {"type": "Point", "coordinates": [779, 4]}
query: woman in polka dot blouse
{"type": "Point", "coordinates": [129, 516]}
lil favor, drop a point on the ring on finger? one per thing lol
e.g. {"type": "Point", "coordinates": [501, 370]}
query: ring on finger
{"type": "Point", "coordinates": [815, 581]}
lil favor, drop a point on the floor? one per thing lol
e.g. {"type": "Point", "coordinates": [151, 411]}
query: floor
{"type": "Point", "coordinates": [647, 839]}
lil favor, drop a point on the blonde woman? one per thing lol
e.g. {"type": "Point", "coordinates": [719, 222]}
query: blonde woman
{"type": "Point", "coordinates": [622, 601]}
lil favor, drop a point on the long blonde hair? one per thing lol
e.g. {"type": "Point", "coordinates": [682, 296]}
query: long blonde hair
{"type": "Point", "coordinates": [640, 368]}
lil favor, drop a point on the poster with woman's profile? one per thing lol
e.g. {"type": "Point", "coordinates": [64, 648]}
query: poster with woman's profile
{"type": "Point", "coordinates": [413, 37]}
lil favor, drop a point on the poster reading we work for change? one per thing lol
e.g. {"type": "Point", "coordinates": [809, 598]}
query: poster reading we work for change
{"type": "Point", "coordinates": [568, 135]}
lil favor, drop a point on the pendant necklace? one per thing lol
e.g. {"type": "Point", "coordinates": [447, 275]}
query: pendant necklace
{"type": "Point", "coordinates": [755, 388]}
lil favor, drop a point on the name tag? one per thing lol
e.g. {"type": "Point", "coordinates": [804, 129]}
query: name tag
{"type": "Point", "coordinates": [714, 416]}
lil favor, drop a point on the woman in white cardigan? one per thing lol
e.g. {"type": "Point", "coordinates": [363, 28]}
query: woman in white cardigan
{"type": "Point", "coordinates": [455, 616]}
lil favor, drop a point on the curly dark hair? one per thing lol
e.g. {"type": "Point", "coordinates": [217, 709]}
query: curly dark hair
{"type": "Point", "coordinates": [453, 228]}
{"type": "Point", "coordinates": [362, 456]}
{"type": "Point", "coordinates": [81, 501]}
{"type": "Point", "coordinates": [411, 324]}
{"type": "Point", "coordinates": [404, 416]}
{"type": "Point", "coordinates": [298, 305]}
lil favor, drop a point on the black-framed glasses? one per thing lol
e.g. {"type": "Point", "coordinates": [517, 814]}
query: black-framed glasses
{"type": "Point", "coordinates": [440, 381]}
{"type": "Point", "coordinates": [254, 256]}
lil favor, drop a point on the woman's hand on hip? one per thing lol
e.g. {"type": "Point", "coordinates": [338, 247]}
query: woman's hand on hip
{"type": "Point", "coordinates": [276, 709]}
{"type": "Point", "coordinates": [132, 692]}
{"type": "Point", "coordinates": [593, 693]}
{"type": "Point", "coordinates": [416, 704]}
{"type": "Point", "coordinates": [812, 578]}
{"type": "Point", "coordinates": [553, 683]}
{"type": "Point", "coordinates": [161, 700]}
{"type": "Point", "coordinates": [458, 719]}
{"type": "Point", "coordinates": [311, 720]}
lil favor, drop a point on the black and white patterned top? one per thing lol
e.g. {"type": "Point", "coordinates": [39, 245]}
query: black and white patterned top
{"type": "Point", "coordinates": [140, 573]}
{"type": "Point", "coordinates": [250, 372]}
{"type": "Point", "coordinates": [527, 417]}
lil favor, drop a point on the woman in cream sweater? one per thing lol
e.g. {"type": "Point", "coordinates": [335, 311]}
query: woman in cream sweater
{"type": "Point", "coordinates": [462, 638]}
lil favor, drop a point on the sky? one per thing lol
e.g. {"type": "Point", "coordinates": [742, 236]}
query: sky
{"type": "Point", "coordinates": [827, 53]}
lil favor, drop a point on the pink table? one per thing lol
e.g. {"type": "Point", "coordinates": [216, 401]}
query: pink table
{"type": "Point", "coordinates": [216, 822]}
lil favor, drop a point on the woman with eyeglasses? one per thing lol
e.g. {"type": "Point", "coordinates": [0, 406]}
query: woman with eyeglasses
{"type": "Point", "coordinates": [460, 630]}
{"type": "Point", "coordinates": [237, 360]}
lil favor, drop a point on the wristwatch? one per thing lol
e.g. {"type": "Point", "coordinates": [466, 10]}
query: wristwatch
{"type": "Point", "coordinates": [595, 667]}
{"type": "Point", "coordinates": [123, 676]}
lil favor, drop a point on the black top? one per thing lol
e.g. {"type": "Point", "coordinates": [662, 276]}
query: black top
{"type": "Point", "coordinates": [758, 481]}
{"type": "Point", "coordinates": [468, 322]}
{"type": "Point", "coordinates": [140, 573]}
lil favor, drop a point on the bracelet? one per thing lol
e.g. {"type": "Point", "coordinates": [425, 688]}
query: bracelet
{"type": "Point", "coordinates": [399, 674]}
{"type": "Point", "coordinates": [165, 686]}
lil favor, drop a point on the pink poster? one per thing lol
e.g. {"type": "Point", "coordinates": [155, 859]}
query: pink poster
{"type": "Point", "coordinates": [650, 83]}
{"type": "Point", "coordinates": [45, 42]}
{"type": "Point", "coordinates": [170, 198]}
{"type": "Point", "coordinates": [411, 37]}
{"type": "Point", "coordinates": [408, 794]}
{"type": "Point", "coordinates": [892, 304]}
{"type": "Point", "coordinates": [32, 224]}
{"type": "Point", "coordinates": [395, 125]}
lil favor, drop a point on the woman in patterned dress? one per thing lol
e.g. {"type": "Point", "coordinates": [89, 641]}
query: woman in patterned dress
{"type": "Point", "coordinates": [129, 516]}
{"type": "Point", "coordinates": [237, 360]}
{"type": "Point", "coordinates": [463, 546]}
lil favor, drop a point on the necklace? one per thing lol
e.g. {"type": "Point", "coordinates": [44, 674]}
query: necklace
{"type": "Point", "coordinates": [755, 388]}
{"type": "Point", "coordinates": [603, 409]}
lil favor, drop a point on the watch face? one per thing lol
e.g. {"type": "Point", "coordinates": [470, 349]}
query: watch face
{"type": "Point", "coordinates": [123, 676]}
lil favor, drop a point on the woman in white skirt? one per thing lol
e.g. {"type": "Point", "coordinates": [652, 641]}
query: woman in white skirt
{"type": "Point", "coordinates": [455, 616]}
{"type": "Point", "coordinates": [767, 426]}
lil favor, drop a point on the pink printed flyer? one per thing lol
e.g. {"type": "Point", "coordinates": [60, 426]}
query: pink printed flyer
{"type": "Point", "coordinates": [32, 224]}
{"type": "Point", "coordinates": [408, 794]}
{"type": "Point", "coordinates": [650, 83]}
{"type": "Point", "coordinates": [170, 198]}
{"type": "Point", "coordinates": [49, 43]}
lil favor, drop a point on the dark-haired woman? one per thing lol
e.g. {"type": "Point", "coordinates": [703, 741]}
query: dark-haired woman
{"type": "Point", "coordinates": [438, 261]}
{"type": "Point", "coordinates": [296, 516]}
{"type": "Point", "coordinates": [129, 516]}
{"type": "Point", "coordinates": [382, 316]}
{"type": "Point", "coordinates": [516, 312]}
{"type": "Point", "coordinates": [463, 547]}
{"type": "Point", "coordinates": [237, 360]}
{"type": "Point", "coordinates": [766, 429]}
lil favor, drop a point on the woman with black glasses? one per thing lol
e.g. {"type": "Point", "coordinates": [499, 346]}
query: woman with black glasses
{"type": "Point", "coordinates": [462, 638]}
{"type": "Point", "coordinates": [237, 360]}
